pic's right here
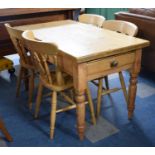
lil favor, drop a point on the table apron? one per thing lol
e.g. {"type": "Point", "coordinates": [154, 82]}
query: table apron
{"type": "Point", "coordinates": [108, 72]}
{"type": "Point", "coordinates": [100, 67]}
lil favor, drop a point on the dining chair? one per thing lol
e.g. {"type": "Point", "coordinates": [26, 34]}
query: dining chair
{"type": "Point", "coordinates": [27, 69]}
{"type": "Point", "coordinates": [5, 131]}
{"type": "Point", "coordinates": [55, 80]}
{"type": "Point", "coordinates": [125, 28]}
{"type": "Point", "coordinates": [96, 20]}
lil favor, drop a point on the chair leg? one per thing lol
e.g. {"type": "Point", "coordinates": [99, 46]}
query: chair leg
{"type": "Point", "coordinates": [123, 86]}
{"type": "Point", "coordinates": [91, 106]}
{"type": "Point", "coordinates": [38, 101]}
{"type": "Point", "coordinates": [31, 89]}
{"type": "Point", "coordinates": [71, 94]}
{"type": "Point", "coordinates": [106, 82]}
{"type": "Point", "coordinates": [26, 78]}
{"type": "Point", "coordinates": [99, 97]}
{"type": "Point", "coordinates": [19, 79]}
{"type": "Point", "coordinates": [5, 132]}
{"type": "Point", "coordinates": [53, 113]}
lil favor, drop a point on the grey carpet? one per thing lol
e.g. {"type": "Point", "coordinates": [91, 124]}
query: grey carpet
{"type": "Point", "coordinates": [2, 143]}
{"type": "Point", "coordinates": [101, 130]}
{"type": "Point", "coordinates": [144, 90]}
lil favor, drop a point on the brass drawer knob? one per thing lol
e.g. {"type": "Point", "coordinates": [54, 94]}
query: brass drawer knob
{"type": "Point", "coordinates": [114, 63]}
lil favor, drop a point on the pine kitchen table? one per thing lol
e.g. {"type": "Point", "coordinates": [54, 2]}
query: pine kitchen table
{"type": "Point", "coordinates": [87, 53]}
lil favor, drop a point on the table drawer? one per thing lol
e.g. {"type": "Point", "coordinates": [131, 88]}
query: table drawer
{"type": "Point", "coordinates": [110, 63]}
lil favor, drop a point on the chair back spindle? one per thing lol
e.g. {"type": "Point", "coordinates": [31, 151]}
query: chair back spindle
{"type": "Point", "coordinates": [16, 38]}
{"type": "Point", "coordinates": [40, 52]}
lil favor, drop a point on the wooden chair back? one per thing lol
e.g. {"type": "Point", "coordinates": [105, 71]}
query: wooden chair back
{"type": "Point", "coordinates": [17, 40]}
{"type": "Point", "coordinates": [40, 52]}
{"type": "Point", "coordinates": [96, 20]}
{"type": "Point", "coordinates": [121, 27]}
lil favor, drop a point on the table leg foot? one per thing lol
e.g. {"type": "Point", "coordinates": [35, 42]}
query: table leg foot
{"type": "Point", "coordinates": [130, 114]}
{"type": "Point", "coordinates": [80, 99]}
{"type": "Point", "coordinates": [132, 95]}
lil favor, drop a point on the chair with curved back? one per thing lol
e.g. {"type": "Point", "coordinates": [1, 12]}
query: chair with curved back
{"type": "Point", "coordinates": [56, 80]}
{"type": "Point", "coordinates": [120, 26]}
{"type": "Point", "coordinates": [126, 28]}
{"type": "Point", "coordinates": [27, 70]}
{"type": "Point", "coordinates": [96, 20]}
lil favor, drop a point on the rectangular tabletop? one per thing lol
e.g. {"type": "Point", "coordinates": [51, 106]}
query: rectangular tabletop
{"type": "Point", "coordinates": [84, 42]}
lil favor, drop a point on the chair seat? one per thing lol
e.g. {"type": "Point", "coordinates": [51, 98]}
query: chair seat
{"type": "Point", "coordinates": [66, 84]}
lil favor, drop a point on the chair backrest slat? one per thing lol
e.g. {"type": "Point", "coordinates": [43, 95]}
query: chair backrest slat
{"type": "Point", "coordinates": [121, 27]}
{"type": "Point", "coordinates": [40, 52]}
{"type": "Point", "coordinates": [96, 20]}
{"type": "Point", "coordinates": [16, 38]}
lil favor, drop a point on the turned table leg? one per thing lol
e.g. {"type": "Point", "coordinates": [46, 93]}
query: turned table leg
{"type": "Point", "coordinates": [132, 94]}
{"type": "Point", "coordinates": [80, 99]}
{"type": "Point", "coordinates": [133, 83]}
{"type": "Point", "coordinates": [80, 84]}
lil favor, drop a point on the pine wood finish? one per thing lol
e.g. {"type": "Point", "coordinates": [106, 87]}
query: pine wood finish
{"type": "Point", "coordinates": [121, 26]}
{"type": "Point", "coordinates": [56, 81]}
{"type": "Point", "coordinates": [96, 20]}
{"type": "Point", "coordinates": [126, 28]}
{"type": "Point", "coordinates": [81, 47]}
{"type": "Point", "coordinates": [27, 69]}
{"type": "Point", "coordinates": [5, 131]}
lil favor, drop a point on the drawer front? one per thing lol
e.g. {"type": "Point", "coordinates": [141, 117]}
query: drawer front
{"type": "Point", "coordinates": [110, 63]}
